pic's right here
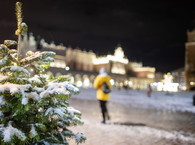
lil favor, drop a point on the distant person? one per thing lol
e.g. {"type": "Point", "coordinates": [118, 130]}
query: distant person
{"type": "Point", "coordinates": [149, 90]}
{"type": "Point", "coordinates": [103, 86]}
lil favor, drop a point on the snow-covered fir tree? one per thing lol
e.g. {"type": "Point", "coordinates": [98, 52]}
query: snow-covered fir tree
{"type": "Point", "coordinates": [34, 107]}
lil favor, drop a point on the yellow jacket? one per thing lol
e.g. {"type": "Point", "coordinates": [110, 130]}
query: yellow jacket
{"type": "Point", "coordinates": [99, 80]}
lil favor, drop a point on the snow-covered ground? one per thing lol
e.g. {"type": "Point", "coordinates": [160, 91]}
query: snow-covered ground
{"type": "Point", "coordinates": [115, 134]}
{"type": "Point", "coordinates": [99, 134]}
{"type": "Point", "coordinates": [179, 101]}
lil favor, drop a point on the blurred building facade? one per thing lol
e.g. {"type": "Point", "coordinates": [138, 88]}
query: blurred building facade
{"type": "Point", "coordinates": [190, 60]}
{"type": "Point", "coordinates": [179, 77]}
{"type": "Point", "coordinates": [83, 66]}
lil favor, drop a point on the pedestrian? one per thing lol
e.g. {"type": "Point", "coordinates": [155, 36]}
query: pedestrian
{"type": "Point", "coordinates": [103, 86]}
{"type": "Point", "coordinates": [149, 90]}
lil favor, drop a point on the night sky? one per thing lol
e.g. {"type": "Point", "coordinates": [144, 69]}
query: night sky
{"type": "Point", "coordinates": [149, 31]}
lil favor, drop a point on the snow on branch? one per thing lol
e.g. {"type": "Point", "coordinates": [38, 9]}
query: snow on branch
{"type": "Point", "coordinates": [35, 79]}
{"type": "Point", "coordinates": [15, 69]}
{"type": "Point", "coordinates": [10, 42]}
{"type": "Point", "coordinates": [9, 132]}
{"type": "Point", "coordinates": [33, 132]}
{"type": "Point", "coordinates": [4, 61]}
{"type": "Point", "coordinates": [75, 114]}
{"type": "Point", "coordinates": [2, 101]}
{"type": "Point", "coordinates": [73, 111]}
{"type": "Point", "coordinates": [80, 137]}
{"type": "Point", "coordinates": [60, 111]}
{"type": "Point", "coordinates": [14, 88]}
{"type": "Point", "coordinates": [64, 88]}
{"type": "Point", "coordinates": [63, 112]}
{"type": "Point", "coordinates": [36, 56]}
{"type": "Point", "coordinates": [17, 80]}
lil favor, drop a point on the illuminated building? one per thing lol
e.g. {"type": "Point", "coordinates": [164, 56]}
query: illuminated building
{"type": "Point", "coordinates": [179, 77]}
{"type": "Point", "coordinates": [83, 66]}
{"type": "Point", "coordinates": [190, 61]}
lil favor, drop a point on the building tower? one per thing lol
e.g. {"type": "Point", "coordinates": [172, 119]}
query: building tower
{"type": "Point", "coordinates": [190, 60]}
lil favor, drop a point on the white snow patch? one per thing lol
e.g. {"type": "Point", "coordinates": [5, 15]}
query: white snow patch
{"type": "Point", "coordinates": [64, 88]}
{"type": "Point", "coordinates": [72, 111]}
{"type": "Point", "coordinates": [1, 113]}
{"type": "Point", "coordinates": [51, 111]}
{"type": "Point", "coordinates": [15, 68]}
{"type": "Point", "coordinates": [38, 89]}
{"type": "Point", "coordinates": [9, 132]}
{"type": "Point", "coordinates": [33, 132]}
{"type": "Point", "coordinates": [35, 78]}
{"type": "Point", "coordinates": [49, 59]}
{"type": "Point", "coordinates": [33, 95]}
{"type": "Point", "coordinates": [3, 61]}
{"type": "Point", "coordinates": [24, 100]}
{"type": "Point", "coordinates": [2, 101]}
{"type": "Point", "coordinates": [14, 88]}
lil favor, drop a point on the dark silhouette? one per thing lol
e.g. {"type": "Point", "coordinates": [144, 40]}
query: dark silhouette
{"type": "Point", "coordinates": [149, 90]}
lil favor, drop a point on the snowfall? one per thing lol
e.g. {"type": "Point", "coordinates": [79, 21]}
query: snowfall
{"type": "Point", "coordinates": [112, 134]}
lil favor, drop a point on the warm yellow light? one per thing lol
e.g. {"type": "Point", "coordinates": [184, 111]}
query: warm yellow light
{"type": "Point", "coordinates": [192, 83]}
{"type": "Point", "coordinates": [117, 59]}
{"type": "Point", "coordinates": [130, 83]}
{"type": "Point", "coordinates": [146, 69]}
{"type": "Point", "coordinates": [102, 60]}
{"type": "Point", "coordinates": [116, 70]}
{"type": "Point", "coordinates": [151, 76]}
{"type": "Point", "coordinates": [112, 82]}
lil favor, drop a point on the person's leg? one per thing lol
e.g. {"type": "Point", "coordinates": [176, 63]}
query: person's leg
{"type": "Point", "coordinates": [103, 109]}
{"type": "Point", "coordinates": [106, 111]}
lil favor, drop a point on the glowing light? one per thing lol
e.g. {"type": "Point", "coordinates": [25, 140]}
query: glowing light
{"type": "Point", "coordinates": [168, 78]}
{"type": "Point", "coordinates": [130, 83]}
{"type": "Point", "coordinates": [147, 69]}
{"type": "Point", "coordinates": [120, 84]}
{"type": "Point", "coordinates": [117, 59]}
{"type": "Point", "coordinates": [151, 76]}
{"type": "Point", "coordinates": [192, 83]}
{"type": "Point", "coordinates": [58, 64]}
{"type": "Point", "coordinates": [67, 68]}
{"type": "Point", "coordinates": [86, 83]}
{"type": "Point", "coordinates": [159, 86]}
{"type": "Point", "coordinates": [118, 70]}
{"type": "Point", "coordinates": [167, 84]}
{"type": "Point", "coordinates": [171, 87]}
{"type": "Point", "coordinates": [102, 60]}
{"type": "Point", "coordinates": [112, 82]}
{"type": "Point", "coordinates": [119, 52]}
{"type": "Point", "coordinates": [79, 84]}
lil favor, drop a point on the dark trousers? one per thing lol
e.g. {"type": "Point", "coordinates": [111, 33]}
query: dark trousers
{"type": "Point", "coordinates": [103, 106]}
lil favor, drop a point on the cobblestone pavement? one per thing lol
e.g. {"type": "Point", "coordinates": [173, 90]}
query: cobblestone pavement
{"type": "Point", "coordinates": [126, 128]}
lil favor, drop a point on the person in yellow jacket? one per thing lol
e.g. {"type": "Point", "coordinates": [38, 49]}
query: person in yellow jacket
{"type": "Point", "coordinates": [99, 83]}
